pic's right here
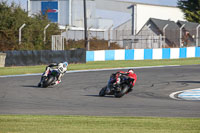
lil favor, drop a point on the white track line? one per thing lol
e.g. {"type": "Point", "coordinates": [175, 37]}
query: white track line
{"type": "Point", "coordinates": [172, 95]}
{"type": "Point", "coordinates": [90, 70]}
{"type": "Point", "coordinates": [192, 94]}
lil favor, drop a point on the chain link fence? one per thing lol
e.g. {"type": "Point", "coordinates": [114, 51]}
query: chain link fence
{"type": "Point", "coordinates": [100, 39]}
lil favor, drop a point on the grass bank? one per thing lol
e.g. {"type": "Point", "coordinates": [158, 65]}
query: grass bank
{"type": "Point", "coordinates": [90, 124]}
{"type": "Point", "coordinates": [100, 65]}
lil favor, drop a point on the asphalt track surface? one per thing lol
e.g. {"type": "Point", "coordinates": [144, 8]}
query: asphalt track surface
{"type": "Point", "coordinates": [78, 94]}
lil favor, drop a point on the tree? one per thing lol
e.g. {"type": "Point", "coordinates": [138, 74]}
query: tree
{"type": "Point", "coordinates": [12, 18]}
{"type": "Point", "coordinates": [191, 9]}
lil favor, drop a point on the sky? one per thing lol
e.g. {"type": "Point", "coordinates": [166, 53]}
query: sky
{"type": "Point", "coordinates": [109, 14]}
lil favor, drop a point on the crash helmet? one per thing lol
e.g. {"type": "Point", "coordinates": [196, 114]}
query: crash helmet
{"type": "Point", "coordinates": [65, 64]}
{"type": "Point", "coordinates": [130, 70]}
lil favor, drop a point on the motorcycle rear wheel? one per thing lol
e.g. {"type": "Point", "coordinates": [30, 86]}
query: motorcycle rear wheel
{"type": "Point", "coordinates": [121, 93]}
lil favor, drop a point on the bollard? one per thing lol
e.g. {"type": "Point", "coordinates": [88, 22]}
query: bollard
{"type": "Point", "coordinates": [2, 59]}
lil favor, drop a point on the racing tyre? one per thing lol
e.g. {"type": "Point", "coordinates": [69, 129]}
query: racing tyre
{"type": "Point", "coordinates": [48, 81]}
{"type": "Point", "coordinates": [122, 92]}
{"type": "Point", "coordinates": [102, 92]}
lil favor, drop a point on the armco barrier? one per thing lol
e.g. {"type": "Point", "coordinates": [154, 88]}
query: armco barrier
{"type": "Point", "coordinates": [27, 58]}
{"type": "Point", "coordinates": [143, 54]}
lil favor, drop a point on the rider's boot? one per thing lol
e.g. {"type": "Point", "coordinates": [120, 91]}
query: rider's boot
{"type": "Point", "coordinates": [58, 82]}
{"type": "Point", "coordinates": [108, 90]}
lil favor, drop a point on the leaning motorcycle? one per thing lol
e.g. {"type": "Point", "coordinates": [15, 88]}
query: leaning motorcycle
{"type": "Point", "coordinates": [118, 90]}
{"type": "Point", "coordinates": [50, 79]}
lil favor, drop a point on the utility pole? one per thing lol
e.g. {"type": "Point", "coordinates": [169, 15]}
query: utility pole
{"type": "Point", "coordinates": [85, 25]}
{"type": "Point", "coordinates": [133, 20]}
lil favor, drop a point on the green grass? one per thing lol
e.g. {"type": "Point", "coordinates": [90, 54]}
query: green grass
{"type": "Point", "coordinates": [100, 65]}
{"type": "Point", "coordinates": [91, 124]}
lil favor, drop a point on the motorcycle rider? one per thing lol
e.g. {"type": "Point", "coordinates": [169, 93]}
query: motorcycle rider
{"type": "Point", "coordinates": [131, 75]}
{"type": "Point", "coordinates": [59, 68]}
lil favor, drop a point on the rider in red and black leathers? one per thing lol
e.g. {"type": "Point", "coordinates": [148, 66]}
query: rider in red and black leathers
{"type": "Point", "coordinates": [131, 76]}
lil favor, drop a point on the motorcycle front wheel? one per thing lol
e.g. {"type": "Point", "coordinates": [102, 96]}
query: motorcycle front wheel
{"type": "Point", "coordinates": [102, 91]}
{"type": "Point", "coordinates": [48, 81]}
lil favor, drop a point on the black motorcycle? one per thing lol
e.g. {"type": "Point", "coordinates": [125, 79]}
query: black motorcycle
{"type": "Point", "coordinates": [118, 90]}
{"type": "Point", "coordinates": [50, 79]}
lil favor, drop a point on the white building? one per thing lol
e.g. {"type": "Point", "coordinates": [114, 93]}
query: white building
{"type": "Point", "coordinates": [69, 12]}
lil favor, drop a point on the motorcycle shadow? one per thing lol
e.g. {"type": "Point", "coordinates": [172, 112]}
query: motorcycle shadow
{"type": "Point", "coordinates": [107, 96]}
{"type": "Point", "coordinates": [33, 86]}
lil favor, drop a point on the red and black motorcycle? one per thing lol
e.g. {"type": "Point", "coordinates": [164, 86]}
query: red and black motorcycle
{"type": "Point", "coordinates": [117, 89]}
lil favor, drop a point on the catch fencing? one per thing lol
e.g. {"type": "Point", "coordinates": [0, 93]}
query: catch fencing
{"type": "Point", "coordinates": [144, 39]}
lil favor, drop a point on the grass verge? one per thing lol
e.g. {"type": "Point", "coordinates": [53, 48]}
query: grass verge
{"type": "Point", "coordinates": [93, 124]}
{"type": "Point", "coordinates": [100, 65]}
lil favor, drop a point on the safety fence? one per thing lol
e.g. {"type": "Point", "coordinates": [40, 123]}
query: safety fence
{"type": "Point", "coordinates": [27, 58]}
{"type": "Point", "coordinates": [144, 39]}
{"type": "Point", "coordinates": [143, 54]}
{"type": "Point", "coordinates": [44, 57]}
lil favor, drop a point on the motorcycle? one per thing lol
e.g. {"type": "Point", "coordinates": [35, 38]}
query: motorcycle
{"type": "Point", "coordinates": [50, 79]}
{"type": "Point", "coordinates": [118, 90]}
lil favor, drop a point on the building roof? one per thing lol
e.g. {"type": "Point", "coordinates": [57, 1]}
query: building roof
{"type": "Point", "coordinates": [162, 23]}
{"type": "Point", "coordinates": [172, 30]}
{"type": "Point", "coordinates": [188, 25]}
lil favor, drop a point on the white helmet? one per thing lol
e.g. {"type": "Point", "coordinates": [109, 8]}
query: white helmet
{"type": "Point", "coordinates": [62, 67]}
{"type": "Point", "coordinates": [130, 70]}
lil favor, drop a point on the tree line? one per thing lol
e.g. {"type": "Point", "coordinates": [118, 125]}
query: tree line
{"type": "Point", "coordinates": [12, 17]}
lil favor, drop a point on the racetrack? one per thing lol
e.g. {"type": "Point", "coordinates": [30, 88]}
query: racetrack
{"type": "Point", "coordinates": [78, 94]}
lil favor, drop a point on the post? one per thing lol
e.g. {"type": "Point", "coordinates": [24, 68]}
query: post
{"type": "Point", "coordinates": [133, 23]}
{"type": "Point", "coordinates": [197, 35]}
{"type": "Point", "coordinates": [2, 59]}
{"type": "Point", "coordinates": [109, 29]}
{"type": "Point", "coordinates": [85, 25]}
{"type": "Point", "coordinates": [28, 8]}
{"type": "Point", "coordinates": [20, 33]}
{"type": "Point", "coordinates": [181, 34]}
{"type": "Point", "coordinates": [161, 41]}
{"type": "Point", "coordinates": [164, 32]}
{"type": "Point", "coordinates": [45, 32]}
{"type": "Point", "coordinates": [70, 12]}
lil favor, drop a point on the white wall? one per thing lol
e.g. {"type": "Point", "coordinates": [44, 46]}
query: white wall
{"type": "Point", "coordinates": [78, 14]}
{"type": "Point", "coordinates": [34, 7]}
{"type": "Point", "coordinates": [144, 12]}
{"type": "Point", "coordinates": [63, 13]}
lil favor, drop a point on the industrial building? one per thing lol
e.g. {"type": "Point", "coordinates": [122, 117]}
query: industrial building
{"type": "Point", "coordinates": [69, 15]}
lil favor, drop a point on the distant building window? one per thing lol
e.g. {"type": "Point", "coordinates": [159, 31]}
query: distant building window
{"type": "Point", "coordinates": [136, 40]}
{"type": "Point", "coordinates": [155, 40]}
